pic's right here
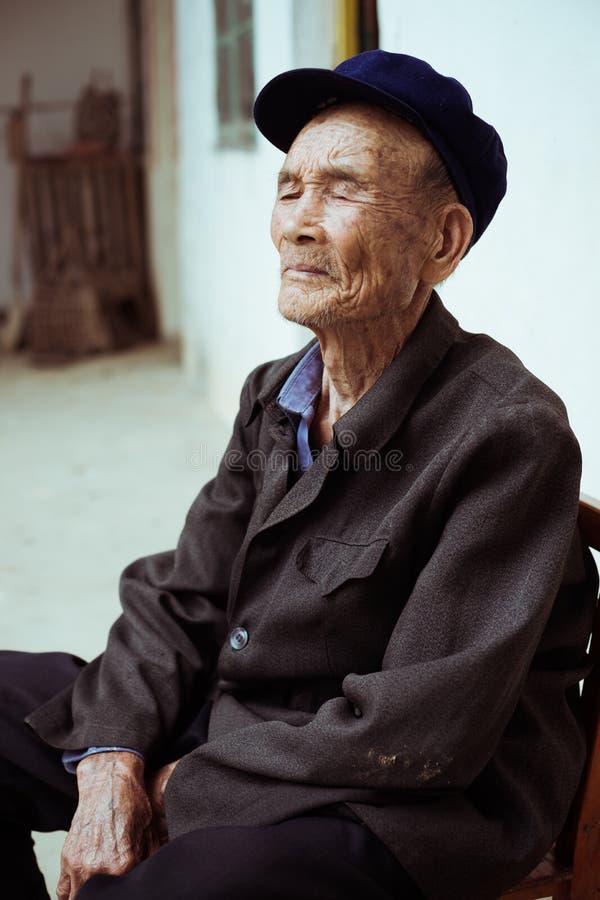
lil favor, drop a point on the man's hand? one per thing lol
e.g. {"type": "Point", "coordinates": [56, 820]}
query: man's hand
{"type": "Point", "coordinates": [111, 830]}
{"type": "Point", "coordinates": [156, 784]}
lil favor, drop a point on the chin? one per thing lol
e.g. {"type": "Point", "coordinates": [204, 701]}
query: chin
{"type": "Point", "coordinates": [306, 310]}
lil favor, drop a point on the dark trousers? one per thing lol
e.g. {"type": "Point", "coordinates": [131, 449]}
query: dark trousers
{"type": "Point", "coordinates": [324, 857]}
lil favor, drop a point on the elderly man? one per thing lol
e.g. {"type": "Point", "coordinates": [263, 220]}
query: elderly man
{"type": "Point", "coordinates": [356, 676]}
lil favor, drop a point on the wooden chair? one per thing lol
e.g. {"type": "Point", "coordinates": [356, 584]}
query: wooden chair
{"type": "Point", "coordinates": [572, 870]}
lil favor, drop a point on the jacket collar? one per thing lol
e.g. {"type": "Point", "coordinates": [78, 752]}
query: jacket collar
{"type": "Point", "coordinates": [370, 423]}
{"type": "Point", "coordinates": [365, 427]}
{"type": "Point", "coordinates": [277, 374]}
{"type": "Point", "coordinates": [381, 410]}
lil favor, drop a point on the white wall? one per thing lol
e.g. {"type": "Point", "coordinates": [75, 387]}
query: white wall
{"type": "Point", "coordinates": [313, 26]}
{"type": "Point", "coordinates": [229, 269]}
{"type": "Point", "coordinates": [162, 160]}
{"type": "Point", "coordinates": [60, 42]}
{"type": "Point", "coordinates": [533, 70]}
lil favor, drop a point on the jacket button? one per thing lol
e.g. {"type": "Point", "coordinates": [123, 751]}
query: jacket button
{"type": "Point", "coordinates": [238, 638]}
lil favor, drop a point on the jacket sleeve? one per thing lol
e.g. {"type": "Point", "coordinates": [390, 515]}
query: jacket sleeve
{"type": "Point", "coordinates": [460, 652]}
{"type": "Point", "coordinates": [161, 652]}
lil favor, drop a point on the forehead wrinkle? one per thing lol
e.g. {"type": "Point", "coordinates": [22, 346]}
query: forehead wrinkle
{"type": "Point", "coordinates": [367, 119]}
{"type": "Point", "coordinates": [331, 157]}
{"type": "Point", "coordinates": [386, 147]}
{"type": "Point", "coordinates": [326, 169]}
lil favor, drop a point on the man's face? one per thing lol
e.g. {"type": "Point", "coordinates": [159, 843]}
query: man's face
{"type": "Point", "coordinates": [347, 222]}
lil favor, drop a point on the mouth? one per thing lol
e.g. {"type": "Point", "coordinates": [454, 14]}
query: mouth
{"type": "Point", "coordinates": [303, 271]}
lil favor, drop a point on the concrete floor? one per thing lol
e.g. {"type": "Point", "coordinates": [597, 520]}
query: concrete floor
{"type": "Point", "coordinates": [99, 462]}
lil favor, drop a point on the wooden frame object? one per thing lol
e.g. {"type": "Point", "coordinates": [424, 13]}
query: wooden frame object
{"type": "Point", "coordinates": [356, 28]}
{"type": "Point", "coordinates": [572, 871]}
{"type": "Point", "coordinates": [84, 224]}
{"type": "Point", "coordinates": [79, 220]}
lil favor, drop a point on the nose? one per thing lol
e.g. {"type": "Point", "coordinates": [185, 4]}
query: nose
{"type": "Point", "coordinates": [302, 220]}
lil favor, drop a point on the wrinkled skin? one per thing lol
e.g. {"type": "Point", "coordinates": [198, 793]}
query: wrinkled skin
{"type": "Point", "coordinates": [119, 820]}
{"type": "Point", "coordinates": [360, 247]}
{"type": "Point", "coordinates": [347, 210]}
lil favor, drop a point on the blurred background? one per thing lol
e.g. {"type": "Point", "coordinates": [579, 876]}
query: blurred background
{"type": "Point", "coordinates": [137, 280]}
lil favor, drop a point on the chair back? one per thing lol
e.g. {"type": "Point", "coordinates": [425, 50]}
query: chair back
{"type": "Point", "coordinates": [572, 870]}
{"type": "Point", "coordinates": [585, 818]}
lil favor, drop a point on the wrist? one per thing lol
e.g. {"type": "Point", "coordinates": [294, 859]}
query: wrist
{"type": "Point", "coordinates": [118, 762]}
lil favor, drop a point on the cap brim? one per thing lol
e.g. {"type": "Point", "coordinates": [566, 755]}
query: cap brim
{"type": "Point", "coordinates": [290, 100]}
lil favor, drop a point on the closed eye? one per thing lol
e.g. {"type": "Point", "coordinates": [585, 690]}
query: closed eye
{"type": "Point", "coordinates": [345, 189]}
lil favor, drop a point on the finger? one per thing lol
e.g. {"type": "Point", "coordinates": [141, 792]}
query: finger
{"type": "Point", "coordinates": [75, 882]}
{"type": "Point", "coordinates": [63, 888]}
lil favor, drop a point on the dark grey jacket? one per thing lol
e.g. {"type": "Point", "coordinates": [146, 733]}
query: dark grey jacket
{"type": "Point", "coordinates": [416, 605]}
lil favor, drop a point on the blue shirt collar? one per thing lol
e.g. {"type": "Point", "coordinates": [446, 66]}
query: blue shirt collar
{"type": "Point", "coordinates": [298, 396]}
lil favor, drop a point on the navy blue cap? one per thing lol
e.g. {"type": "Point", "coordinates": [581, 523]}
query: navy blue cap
{"type": "Point", "coordinates": [437, 105]}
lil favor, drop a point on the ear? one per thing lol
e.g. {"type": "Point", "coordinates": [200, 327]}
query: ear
{"type": "Point", "coordinates": [454, 229]}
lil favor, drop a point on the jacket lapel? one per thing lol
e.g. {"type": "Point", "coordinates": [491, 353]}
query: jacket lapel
{"type": "Point", "coordinates": [305, 490]}
{"type": "Point", "coordinates": [366, 427]}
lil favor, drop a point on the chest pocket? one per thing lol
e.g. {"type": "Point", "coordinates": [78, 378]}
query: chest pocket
{"type": "Point", "coordinates": [331, 563]}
